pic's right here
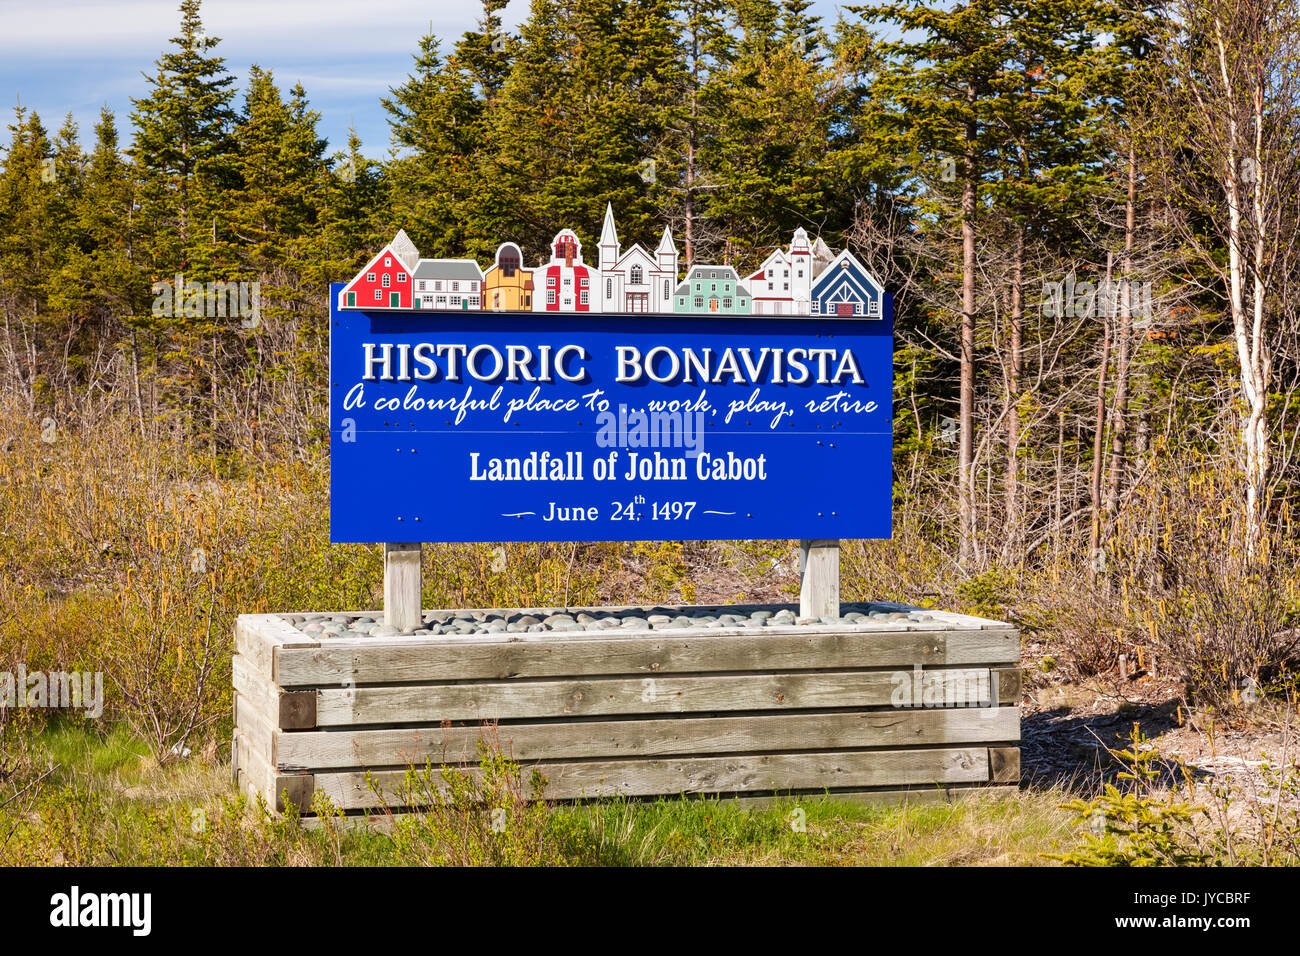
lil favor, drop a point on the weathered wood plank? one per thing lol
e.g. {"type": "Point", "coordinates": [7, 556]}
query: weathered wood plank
{"type": "Point", "coordinates": [927, 795]}
{"type": "Point", "coordinates": [819, 585]}
{"type": "Point", "coordinates": [675, 736]}
{"type": "Point", "coordinates": [250, 684]}
{"type": "Point", "coordinates": [1004, 764]}
{"type": "Point", "coordinates": [1010, 684]}
{"type": "Point", "coordinates": [384, 822]}
{"type": "Point", "coordinates": [729, 774]}
{"type": "Point", "coordinates": [257, 636]}
{"type": "Point", "coordinates": [287, 709]}
{"type": "Point", "coordinates": [257, 776]}
{"type": "Point", "coordinates": [721, 649]}
{"type": "Point", "coordinates": [402, 585]}
{"type": "Point", "coordinates": [506, 700]}
{"type": "Point", "coordinates": [258, 731]}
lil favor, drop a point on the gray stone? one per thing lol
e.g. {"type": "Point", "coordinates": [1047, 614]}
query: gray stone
{"type": "Point", "coordinates": [634, 623]}
{"type": "Point", "coordinates": [384, 630]}
{"type": "Point", "coordinates": [659, 619]}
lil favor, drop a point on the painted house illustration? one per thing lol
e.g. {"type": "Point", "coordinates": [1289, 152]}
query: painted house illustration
{"type": "Point", "coordinates": [385, 282]}
{"type": "Point", "coordinates": [711, 289]}
{"type": "Point", "coordinates": [564, 284]}
{"type": "Point", "coordinates": [845, 289]}
{"type": "Point", "coordinates": [805, 279]}
{"type": "Point", "coordinates": [635, 280]}
{"type": "Point", "coordinates": [507, 285]}
{"type": "Point", "coordinates": [783, 283]}
{"type": "Point", "coordinates": [398, 279]}
{"type": "Point", "coordinates": [448, 284]}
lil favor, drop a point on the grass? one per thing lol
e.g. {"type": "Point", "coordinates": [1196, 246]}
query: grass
{"type": "Point", "coordinates": [109, 803]}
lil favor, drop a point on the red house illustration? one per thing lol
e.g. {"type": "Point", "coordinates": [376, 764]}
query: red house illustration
{"type": "Point", "coordinates": [564, 284]}
{"type": "Point", "coordinates": [386, 281]}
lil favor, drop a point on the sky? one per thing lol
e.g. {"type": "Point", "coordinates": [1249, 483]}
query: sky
{"type": "Point", "coordinates": [61, 56]}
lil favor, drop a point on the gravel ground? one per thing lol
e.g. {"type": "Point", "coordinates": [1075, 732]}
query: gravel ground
{"type": "Point", "coordinates": [867, 617]}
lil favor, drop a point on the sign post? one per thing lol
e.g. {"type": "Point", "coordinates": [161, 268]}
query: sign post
{"type": "Point", "coordinates": [402, 585]}
{"type": "Point", "coordinates": [819, 585]}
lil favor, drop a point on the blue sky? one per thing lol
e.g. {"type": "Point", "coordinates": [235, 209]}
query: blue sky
{"type": "Point", "coordinates": [60, 56]}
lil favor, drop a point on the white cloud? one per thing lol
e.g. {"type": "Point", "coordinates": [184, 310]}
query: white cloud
{"type": "Point", "coordinates": [249, 29]}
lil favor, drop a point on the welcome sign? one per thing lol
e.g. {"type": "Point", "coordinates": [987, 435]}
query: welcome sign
{"type": "Point", "coordinates": [471, 425]}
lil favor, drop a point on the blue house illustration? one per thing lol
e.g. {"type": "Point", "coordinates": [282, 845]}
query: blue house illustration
{"type": "Point", "coordinates": [845, 289]}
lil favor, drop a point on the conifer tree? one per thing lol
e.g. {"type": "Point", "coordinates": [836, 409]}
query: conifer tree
{"type": "Point", "coordinates": [181, 151]}
{"type": "Point", "coordinates": [182, 142]}
{"type": "Point", "coordinates": [768, 160]}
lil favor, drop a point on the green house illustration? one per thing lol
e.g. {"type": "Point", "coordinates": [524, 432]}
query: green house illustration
{"type": "Point", "coordinates": [711, 289]}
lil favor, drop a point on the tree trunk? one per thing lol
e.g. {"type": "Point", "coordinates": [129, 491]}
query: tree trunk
{"type": "Point", "coordinates": [1248, 328]}
{"type": "Point", "coordinates": [1015, 363]}
{"type": "Point", "coordinates": [688, 211]}
{"type": "Point", "coordinates": [966, 413]}
{"type": "Point", "coordinates": [1119, 411]}
{"type": "Point", "coordinates": [1099, 428]}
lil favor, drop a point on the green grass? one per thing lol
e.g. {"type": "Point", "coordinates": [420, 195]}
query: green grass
{"type": "Point", "coordinates": [108, 803]}
{"type": "Point", "coordinates": [74, 744]}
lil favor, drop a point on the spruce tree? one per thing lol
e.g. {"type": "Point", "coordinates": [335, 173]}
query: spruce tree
{"type": "Point", "coordinates": [181, 147]}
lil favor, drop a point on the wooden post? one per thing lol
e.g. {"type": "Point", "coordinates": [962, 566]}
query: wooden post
{"type": "Point", "coordinates": [819, 587]}
{"type": "Point", "coordinates": [402, 586]}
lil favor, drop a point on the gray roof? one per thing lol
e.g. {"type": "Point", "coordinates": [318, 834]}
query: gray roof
{"type": "Point", "coordinates": [448, 269]}
{"type": "Point", "coordinates": [730, 272]}
{"type": "Point", "coordinates": [684, 287]}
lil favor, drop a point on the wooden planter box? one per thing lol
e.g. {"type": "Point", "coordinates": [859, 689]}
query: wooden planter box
{"type": "Point", "coordinates": [854, 709]}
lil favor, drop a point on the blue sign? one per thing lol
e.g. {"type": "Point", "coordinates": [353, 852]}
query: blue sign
{"type": "Point", "coordinates": [527, 426]}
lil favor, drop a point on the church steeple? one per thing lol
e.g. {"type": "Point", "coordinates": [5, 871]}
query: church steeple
{"type": "Point", "coordinates": [608, 239]}
{"type": "Point", "coordinates": [667, 253]}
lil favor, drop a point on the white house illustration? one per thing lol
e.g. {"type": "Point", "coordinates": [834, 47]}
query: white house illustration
{"type": "Point", "coordinates": [635, 281]}
{"type": "Point", "coordinates": [448, 284]}
{"type": "Point", "coordinates": [783, 284]}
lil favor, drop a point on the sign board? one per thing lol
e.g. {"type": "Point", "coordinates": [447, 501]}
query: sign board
{"type": "Point", "coordinates": [526, 426]}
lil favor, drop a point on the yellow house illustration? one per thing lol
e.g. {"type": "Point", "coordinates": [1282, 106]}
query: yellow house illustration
{"type": "Point", "coordinates": [507, 285]}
